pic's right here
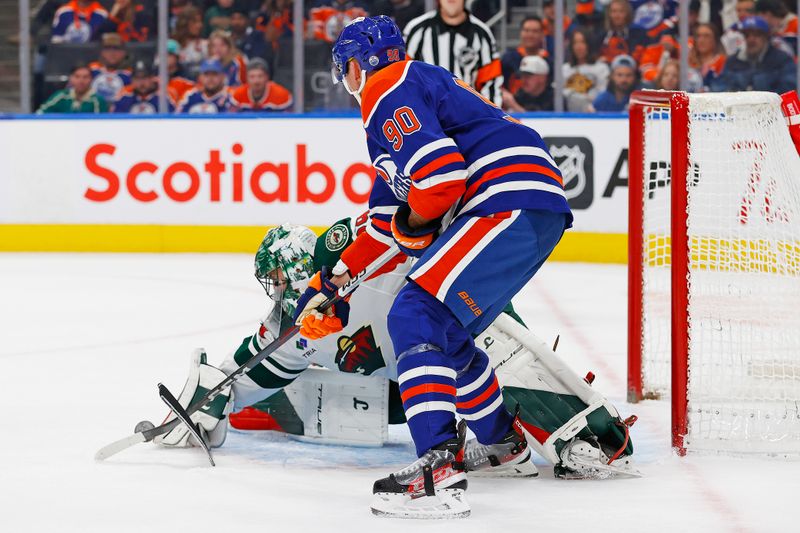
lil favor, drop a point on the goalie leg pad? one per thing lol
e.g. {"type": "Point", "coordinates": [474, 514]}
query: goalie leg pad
{"type": "Point", "coordinates": [556, 406]}
{"type": "Point", "coordinates": [340, 408]}
{"type": "Point", "coordinates": [211, 419]}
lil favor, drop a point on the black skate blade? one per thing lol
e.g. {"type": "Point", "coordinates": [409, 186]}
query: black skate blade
{"type": "Point", "coordinates": [184, 417]}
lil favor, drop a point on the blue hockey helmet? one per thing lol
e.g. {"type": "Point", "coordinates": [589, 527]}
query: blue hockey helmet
{"type": "Point", "coordinates": [374, 42]}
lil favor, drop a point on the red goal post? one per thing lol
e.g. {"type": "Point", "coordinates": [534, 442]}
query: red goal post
{"type": "Point", "coordinates": [714, 269]}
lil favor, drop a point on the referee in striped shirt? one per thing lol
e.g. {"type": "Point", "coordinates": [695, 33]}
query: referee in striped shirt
{"type": "Point", "coordinates": [454, 39]}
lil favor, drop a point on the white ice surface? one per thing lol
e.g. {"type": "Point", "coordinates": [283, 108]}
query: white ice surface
{"type": "Point", "coordinates": [85, 338]}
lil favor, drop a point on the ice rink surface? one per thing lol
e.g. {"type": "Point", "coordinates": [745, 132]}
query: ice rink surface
{"type": "Point", "coordinates": [85, 339]}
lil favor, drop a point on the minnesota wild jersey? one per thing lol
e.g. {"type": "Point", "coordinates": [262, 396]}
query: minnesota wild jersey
{"type": "Point", "coordinates": [363, 347]}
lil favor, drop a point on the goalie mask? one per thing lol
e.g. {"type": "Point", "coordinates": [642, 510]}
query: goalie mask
{"type": "Point", "coordinates": [285, 263]}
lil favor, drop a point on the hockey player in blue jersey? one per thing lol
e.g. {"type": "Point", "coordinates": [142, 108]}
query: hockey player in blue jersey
{"type": "Point", "coordinates": [477, 198]}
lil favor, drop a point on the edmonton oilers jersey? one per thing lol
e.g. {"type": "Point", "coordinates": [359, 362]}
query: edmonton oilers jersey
{"type": "Point", "coordinates": [442, 147]}
{"type": "Point", "coordinates": [131, 102]}
{"type": "Point", "coordinates": [196, 102]}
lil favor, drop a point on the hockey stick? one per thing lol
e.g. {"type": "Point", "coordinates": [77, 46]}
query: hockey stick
{"type": "Point", "coordinates": [149, 434]}
{"type": "Point", "coordinates": [181, 413]}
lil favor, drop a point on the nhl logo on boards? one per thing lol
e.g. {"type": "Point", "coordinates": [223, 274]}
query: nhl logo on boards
{"type": "Point", "coordinates": [575, 158]}
{"type": "Point", "coordinates": [337, 237]}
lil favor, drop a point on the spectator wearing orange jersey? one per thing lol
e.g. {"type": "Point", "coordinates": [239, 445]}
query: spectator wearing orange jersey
{"type": "Point", "coordinates": [328, 17]}
{"type": "Point", "coordinates": [130, 20]}
{"type": "Point", "coordinates": [220, 46]}
{"type": "Point", "coordinates": [655, 56]}
{"type": "Point", "coordinates": [276, 20]}
{"type": "Point", "coordinates": [707, 55]}
{"type": "Point", "coordinates": [179, 84]}
{"type": "Point", "coordinates": [622, 36]}
{"type": "Point", "coordinates": [260, 94]}
{"type": "Point", "coordinates": [531, 43]}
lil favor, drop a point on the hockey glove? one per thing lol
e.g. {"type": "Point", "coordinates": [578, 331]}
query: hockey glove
{"type": "Point", "coordinates": [314, 324]}
{"type": "Point", "coordinates": [413, 242]}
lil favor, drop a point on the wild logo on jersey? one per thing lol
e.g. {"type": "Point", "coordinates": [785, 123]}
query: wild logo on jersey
{"type": "Point", "coordinates": [359, 354]}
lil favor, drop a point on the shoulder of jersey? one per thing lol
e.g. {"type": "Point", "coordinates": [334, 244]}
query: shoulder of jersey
{"type": "Point", "coordinates": [384, 82]}
{"type": "Point", "coordinates": [66, 8]}
{"type": "Point", "coordinates": [280, 92]}
{"type": "Point", "coordinates": [479, 23]}
{"type": "Point", "coordinates": [240, 93]}
{"type": "Point", "coordinates": [413, 23]}
{"type": "Point", "coordinates": [332, 242]}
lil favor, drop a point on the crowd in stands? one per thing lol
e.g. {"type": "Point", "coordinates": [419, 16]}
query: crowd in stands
{"type": "Point", "coordinates": [222, 53]}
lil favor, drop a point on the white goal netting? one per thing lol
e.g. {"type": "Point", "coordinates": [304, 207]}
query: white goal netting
{"type": "Point", "coordinates": [743, 226]}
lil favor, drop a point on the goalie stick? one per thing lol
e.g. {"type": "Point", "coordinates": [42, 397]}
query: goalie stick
{"type": "Point", "coordinates": [149, 434]}
{"type": "Point", "coordinates": [184, 417]}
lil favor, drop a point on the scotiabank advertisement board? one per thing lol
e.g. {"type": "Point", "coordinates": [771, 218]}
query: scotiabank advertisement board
{"type": "Point", "coordinates": [251, 172]}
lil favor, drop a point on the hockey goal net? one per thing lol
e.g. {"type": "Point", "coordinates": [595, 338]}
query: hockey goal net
{"type": "Point", "coordinates": [714, 269]}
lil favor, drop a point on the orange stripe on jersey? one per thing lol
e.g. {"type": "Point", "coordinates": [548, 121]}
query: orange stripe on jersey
{"type": "Point", "coordinates": [436, 164]}
{"type": "Point", "coordinates": [427, 388]}
{"type": "Point", "coordinates": [432, 280]}
{"type": "Point", "coordinates": [487, 73]}
{"type": "Point", "coordinates": [378, 85]}
{"type": "Point", "coordinates": [381, 224]}
{"type": "Point", "coordinates": [435, 201]}
{"type": "Point", "coordinates": [502, 171]}
{"type": "Point", "coordinates": [479, 398]}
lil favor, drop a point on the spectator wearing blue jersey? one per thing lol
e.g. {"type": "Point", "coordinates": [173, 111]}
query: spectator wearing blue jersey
{"type": "Point", "coordinates": [758, 66]}
{"type": "Point", "coordinates": [141, 96]}
{"type": "Point", "coordinates": [212, 95]}
{"type": "Point", "coordinates": [109, 76]}
{"type": "Point", "coordinates": [78, 21]}
{"type": "Point", "coordinates": [620, 86]}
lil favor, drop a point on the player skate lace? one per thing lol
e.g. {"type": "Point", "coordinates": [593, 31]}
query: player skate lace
{"type": "Point", "coordinates": [435, 458]}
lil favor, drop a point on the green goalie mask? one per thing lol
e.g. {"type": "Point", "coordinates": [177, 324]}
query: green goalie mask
{"type": "Point", "coordinates": [285, 263]}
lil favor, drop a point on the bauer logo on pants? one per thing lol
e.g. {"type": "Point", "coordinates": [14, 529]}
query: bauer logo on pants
{"type": "Point", "coordinates": [575, 159]}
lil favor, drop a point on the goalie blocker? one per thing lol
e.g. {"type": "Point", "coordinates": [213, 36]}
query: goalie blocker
{"type": "Point", "coordinates": [567, 423]}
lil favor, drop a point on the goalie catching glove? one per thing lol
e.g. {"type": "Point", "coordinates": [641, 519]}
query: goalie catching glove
{"type": "Point", "coordinates": [413, 242]}
{"type": "Point", "coordinates": [314, 324]}
{"type": "Point", "coordinates": [211, 419]}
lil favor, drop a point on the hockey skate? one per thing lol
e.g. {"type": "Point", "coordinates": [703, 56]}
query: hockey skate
{"type": "Point", "coordinates": [511, 457]}
{"type": "Point", "coordinates": [581, 459]}
{"type": "Point", "coordinates": [431, 487]}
